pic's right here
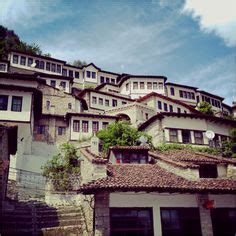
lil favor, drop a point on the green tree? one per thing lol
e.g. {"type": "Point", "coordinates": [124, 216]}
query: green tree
{"type": "Point", "coordinates": [206, 108]}
{"type": "Point", "coordinates": [229, 147]}
{"type": "Point", "coordinates": [11, 41]}
{"type": "Point", "coordinates": [62, 168]}
{"type": "Point", "coordinates": [79, 63]}
{"type": "Point", "coordinates": [122, 134]}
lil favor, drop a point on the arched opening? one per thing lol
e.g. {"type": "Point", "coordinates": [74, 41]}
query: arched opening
{"type": "Point", "coordinates": [124, 117]}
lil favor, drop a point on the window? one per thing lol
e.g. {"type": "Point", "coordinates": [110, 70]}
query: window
{"type": "Point", "coordinates": [64, 72]}
{"type": "Point", "coordinates": [95, 126]}
{"type": "Point", "coordinates": [184, 94]}
{"type": "Point", "coordinates": [107, 80]}
{"type": "Point", "coordinates": [159, 105]}
{"type": "Point", "coordinates": [63, 84]}
{"type": "Point", "coordinates": [198, 100]}
{"type": "Point", "coordinates": [102, 79]}
{"type": "Point", "coordinates": [48, 104]}
{"type": "Point", "coordinates": [149, 85]}
{"type": "Point", "coordinates": [100, 101]}
{"type": "Point", "coordinates": [124, 103]}
{"type": "Point", "coordinates": [106, 102]}
{"type": "Point", "coordinates": [53, 68]}
{"type": "Point", "coordinates": [59, 69]}
{"type": "Point", "coordinates": [208, 171]}
{"type": "Point", "coordinates": [88, 74]}
{"type": "Point", "coordinates": [37, 63]}
{"type": "Point", "coordinates": [104, 125]}
{"type": "Point", "coordinates": [155, 85]}
{"type": "Point", "coordinates": [135, 85]}
{"type": "Point", "coordinates": [77, 74]}
{"type": "Point", "coordinates": [180, 221]}
{"type": "Point", "coordinates": [131, 221]}
{"type": "Point", "coordinates": [30, 61]}
{"type": "Point", "coordinates": [61, 130]}
{"type": "Point", "coordinates": [41, 129]}
{"type": "Point", "coordinates": [178, 110]}
{"type": "Point", "coordinates": [53, 83]}
{"type": "Point", "coordinates": [146, 116]}
{"type": "Point", "coordinates": [188, 95]}
{"type": "Point", "coordinates": [171, 108]}
{"type": "Point", "coordinates": [3, 67]}
{"type": "Point", "coordinates": [85, 126]}
{"type": "Point", "coordinates": [160, 85]}
{"type": "Point", "coordinates": [198, 136]}
{"type": "Point", "coordinates": [71, 73]}
{"type": "Point", "coordinates": [16, 103]}
{"type": "Point", "coordinates": [173, 134]}
{"type": "Point", "coordinates": [48, 66]}
{"type": "Point", "coordinates": [41, 65]}
{"type": "Point", "coordinates": [223, 221]}
{"type": "Point", "coordinates": [113, 81]}
{"type": "Point", "coordinates": [141, 85]}
{"type": "Point", "coordinates": [23, 60]}
{"type": "Point", "coordinates": [3, 102]}
{"type": "Point", "coordinates": [114, 102]}
{"type": "Point", "coordinates": [165, 107]}
{"type": "Point", "coordinates": [181, 93]}
{"type": "Point", "coordinates": [172, 91]}
{"type": "Point", "coordinates": [127, 87]}
{"type": "Point", "coordinates": [193, 96]}
{"type": "Point", "coordinates": [186, 136]}
{"type": "Point", "coordinates": [94, 100]}
{"type": "Point", "coordinates": [69, 106]}
{"type": "Point", "coordinates": [15, 59]}
{"type": "Point", "coordinates": [76, 126]}
{"type": "Point", "coordinates": [93, 75]}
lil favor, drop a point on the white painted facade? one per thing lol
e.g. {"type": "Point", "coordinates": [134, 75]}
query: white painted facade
{"type": "Point", "coordinates": [25, 113]}
{"type": "Point", "coordinates": [158, 200]}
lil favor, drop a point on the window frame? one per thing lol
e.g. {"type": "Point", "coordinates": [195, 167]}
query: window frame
{"type": "Point", "coordinates": [16, 107]}
{"type": "Point", "coordinates": [85, 126]}
{"type": "Point", "coordinates": [198, 140]}
{"type": "Point", "coordinates": [173, 137]}
{"type": "Point", "coordinates": [76, 125]}
{"type": "Point", "coordinates": [15, 59]}
{"type": "Point", "coordinates": [61, 130]}
{"type": "Point", "coordinates": [23, 60]}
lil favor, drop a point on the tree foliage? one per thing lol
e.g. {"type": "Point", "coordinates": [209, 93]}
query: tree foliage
{"type": "Point", "coordinates": [79, 63]}
{"type": "Point", "coordinates": [206, 108]}
{"type": "Point", "coordinates": [122, 134]}
{"type": "Point", "coordinates": [229, 147]}
{"type": "Point", "coordinates": [63, 167]}
{"type": "Point", "coordinates": [11, 41]}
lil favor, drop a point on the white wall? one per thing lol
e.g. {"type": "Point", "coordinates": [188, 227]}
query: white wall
{"type": "Point", "coordinates": [24, 114]}
{"type": "Point", "coordinates": [158, 200]}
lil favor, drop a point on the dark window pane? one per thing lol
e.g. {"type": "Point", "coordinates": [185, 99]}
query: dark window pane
{"type": "Point", "coordinates": [48, 66]}
{"type": "Point", "coordinates": [23, 60]}
{"type": "Point", "coordinates": [64, 72]}
{"type": "Point", "coordinates": [3, 102]}
{"type": "Point", "coordinates": [208, 171]}
{"type": "Point", "coordinates": [71, 73]}
{"type": "Point", "coordinates": [76, 74]}
{"type": "Point", "coordinates": [16, 103]}
{"type": "Point", "coordinates": [15, 59]}
{"type": "Point", "coordinates": [30, 61]}
{"type": "Point", "coordinates": [59, 69]}
{"type": "Point", "coordinates": [53, 68]}
{"type": "Point", "coordinates": [186, 136]}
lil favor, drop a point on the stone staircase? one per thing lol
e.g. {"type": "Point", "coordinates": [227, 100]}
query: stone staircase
{"type": "Point", "coordinates": [35, 218]}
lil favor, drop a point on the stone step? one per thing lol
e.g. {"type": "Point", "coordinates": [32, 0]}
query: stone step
{"type": "Point", "coordinates": [60, 216]}
{"type": "Point", "coordinates": [74, 230]}
{"type": "Point", "coordinates": [68, 222]}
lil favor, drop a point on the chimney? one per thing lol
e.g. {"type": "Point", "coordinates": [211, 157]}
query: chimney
{"type": "Point", "coordinates": [95, 143]}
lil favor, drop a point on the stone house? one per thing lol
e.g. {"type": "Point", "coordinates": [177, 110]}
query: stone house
{"type": "Point", "coordinates": [137, 191]}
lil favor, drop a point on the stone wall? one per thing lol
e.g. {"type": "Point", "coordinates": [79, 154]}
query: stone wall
{"type": "Point", "coordinates": [102, 214]}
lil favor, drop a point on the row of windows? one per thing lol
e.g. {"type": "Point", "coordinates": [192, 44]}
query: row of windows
{"type": "Point", "coordinates": [107, 80]}
{"type": "Point", "coordinates": [105, 102]}
{"type": "Point", "coordinates": [41, 129]}
{"type": "Point", "coordinates": [16, 104]}
{"type": "Point", "coordinates": [70, 73]}
{"type": "Point", "coordinates": [83, 126]}
{"type": "Point", "coordinates": [90, 74]}
{"type": "Point", "coordinates": [62, 84]}
{"type": "Point", "coordinates": [186, 94]}
{"type": "Point", "coordinates": [143, 85]}
{"type": "Point", "coordinates": [212, 101]}
{"type": "Point", "coordinates": [164, 106]}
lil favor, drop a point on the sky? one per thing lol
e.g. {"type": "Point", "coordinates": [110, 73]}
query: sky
{"type": "Point", "coordinates": [190, 42]}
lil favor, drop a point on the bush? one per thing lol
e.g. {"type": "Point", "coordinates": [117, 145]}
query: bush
{"type": "Point", "coordinates": [63, 167]}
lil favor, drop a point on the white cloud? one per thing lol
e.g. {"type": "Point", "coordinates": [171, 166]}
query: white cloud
{"type": "Point", "coordinates": [218, 77]}
{"type": "Point", "coordinates": [218, 16]}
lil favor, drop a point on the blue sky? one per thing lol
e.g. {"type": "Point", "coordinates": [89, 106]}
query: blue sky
{"type": "Point", "coordinates": [191, 42]}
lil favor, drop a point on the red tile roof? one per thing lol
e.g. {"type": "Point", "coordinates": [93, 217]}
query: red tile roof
{"type": "Point", "coordinates": [93, 157]}
{"type": "Point", "coordinates": [189, 158]}
{"type": "Point", "coordinates": [152, 178]}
